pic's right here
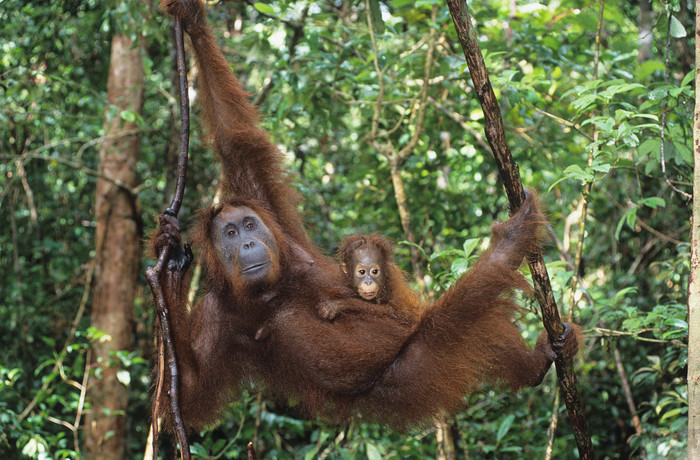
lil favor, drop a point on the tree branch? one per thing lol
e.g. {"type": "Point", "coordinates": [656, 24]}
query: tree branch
{"type": "Point", "coordinates": [510, 175]}
{"type": "Point", "coordinates": [629, 399]}
{"type": "Point", "coordinates": [165, 348]}
{"type": "Point", "coordinates": [386, 148]}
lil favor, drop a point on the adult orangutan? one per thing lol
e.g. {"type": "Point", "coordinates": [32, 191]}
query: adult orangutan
{"type": "Point", "coordinates": [263, 270]}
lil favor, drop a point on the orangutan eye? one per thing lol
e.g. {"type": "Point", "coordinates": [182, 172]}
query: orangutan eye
{"type": "Point", "coordinates": [375, 271]}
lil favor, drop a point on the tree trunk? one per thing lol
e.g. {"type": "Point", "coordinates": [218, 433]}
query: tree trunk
{"type": "Point", "coordinates": [510, 176]}
{"type": "Point", "coordinates": [645, 37]}
{"type": "Point", "coordinates": [445, 439]}
{"type": "Point", "coordinates": [405, 216]}
{"type": "Point", "coordinates": [694, 281]}
{"type": "Point", "coordinates": [118, 254]}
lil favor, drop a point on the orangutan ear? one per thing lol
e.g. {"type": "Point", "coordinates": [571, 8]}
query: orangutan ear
{"type": "Point", "coordinates": [344, 268]}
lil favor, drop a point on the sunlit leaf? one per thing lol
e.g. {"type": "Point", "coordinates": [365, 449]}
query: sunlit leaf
{"type": "Point", "coordinates": [264, 8]}
{"type": "Point", "coordinates": [372, 451]}
{"type": "Point", "coordinates": [677, 29]}
{"type": "Point", "coordinates": [124, 377]}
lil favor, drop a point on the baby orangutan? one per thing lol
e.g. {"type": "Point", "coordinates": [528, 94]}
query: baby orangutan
{"type": "Point", "coordinates": [370, 272]}
{"type": "Point", "coordinates": [367, 267]}
{"type": "Point", "coordinates": [362, 262]}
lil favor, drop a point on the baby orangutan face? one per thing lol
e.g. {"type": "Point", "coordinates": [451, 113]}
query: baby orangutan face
{"type": "Point", "coordinates": [366, 273]}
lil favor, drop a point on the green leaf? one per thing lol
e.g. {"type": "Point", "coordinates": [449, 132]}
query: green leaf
{"type": "Point", "coordinates": [264, 8]}
{"type": "Point", "coordinates": [576, 172]}
{"type": "Point", "coordinates": [684, 153]}
{"type": "Point", "coordinates": [505, 427]}
{"type": "Point", "coordinates": [679, 323]}
{"type": "Point", "coordinates": [649, 67]}
{"type": "Point", "coordinates": [36, 447]}
{"type": "Point", "coordinates": [128, 115]}
{"type": "Point", "coordinates": [623, 292]}
{"type": "Point", "coordinates": [531, 96]}
{"type": "Point", "coordinates": [650, 147]}
{"type": "Point", "coordinates": [198, 450]}
{"type": "Point", "coordinates": [470, 246]}
{"type": "Point", "coordinates": [616, 89]}
{"type": "Point", "coordinates": [672, 413]}
{"type": "Point", "coordinates": [658, 94]}
{"type": "Point", "coordinates": [459, 266]}
{"type": "Point", "coordinates": [689, 77]}
{"type": "Point", "coordinates": [372, 451]}
{"type": "Point", "coordinates": [654, 202]}
{"type": "Point", "coordinates": [677, 29]}
{"type": "Point", "coordinates": [513, 95]}
{"type": "Point", "coordinates": [218, 445]}
{"type": "Point", "coordinates": [582, 103]}
{"type": "Point", "coordinates": [629, 218]}
{"type": "Point", "coordinates": [606, 124]}
{"type": "Point", "coordinates": [124, 377]}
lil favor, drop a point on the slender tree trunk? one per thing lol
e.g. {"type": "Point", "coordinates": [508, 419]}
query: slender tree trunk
{"type": "Point", "coordinates": [445, 439]}
{"type": "Point", "coordinates": [694, 282]}
{"type": "Point", "coordinates": [636, 422]}
{"type": "Point", "coordinates": [405, 216]}
{"type": "Point", "coordinates": [118, 257]}
{"type": "Point", "coordinates": [510, 176]}
{"type": "Point", "coordinates": [645, 37]}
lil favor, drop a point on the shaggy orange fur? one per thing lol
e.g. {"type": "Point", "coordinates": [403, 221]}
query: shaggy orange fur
{"type": "Point", "coordinates": [391, 368]}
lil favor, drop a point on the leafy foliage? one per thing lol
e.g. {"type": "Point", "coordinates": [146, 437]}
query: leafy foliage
{"type": "Point", "coordinates": [632, 118]}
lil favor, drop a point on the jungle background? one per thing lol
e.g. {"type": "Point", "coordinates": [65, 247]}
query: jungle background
{"type": "Point", "coordinates": [381, 138]}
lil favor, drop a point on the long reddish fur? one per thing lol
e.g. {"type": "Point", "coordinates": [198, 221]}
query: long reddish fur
{"type": "Point", "coordinates": [367, 360]}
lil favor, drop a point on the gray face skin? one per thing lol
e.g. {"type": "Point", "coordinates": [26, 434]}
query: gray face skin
{"type": "Point", "coordinates": [367, 276]}
{"type": "Point", "coordinates": [245, 245]}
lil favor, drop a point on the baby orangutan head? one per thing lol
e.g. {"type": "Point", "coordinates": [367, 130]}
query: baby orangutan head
{"type": "Point", "coordinates": [364, 260]}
